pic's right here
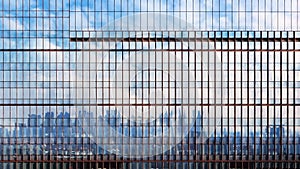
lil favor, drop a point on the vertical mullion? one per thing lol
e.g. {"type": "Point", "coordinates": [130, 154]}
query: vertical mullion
{"type": "Point", "coordinates": [224, 141]}
{"type": "Point", "coordinates": [25, 134]}
{"type": "Point", "coordinates": [103, 64]}
{"type": "Point", "coordinates": [214, 101]}
{"type": "Point", "coordinates": [149, 126]}
{"type": "Point", "coordinates": [275, 101]}
{"type": "Point", "coordinates": [210, 144]}
{"type": "Point", "coordinates": [251, 154]}
{"type": "Point", "coordinates": [169, 99]}
{"type": "Point", "coordinates": [122, 98]}
{"type": "Point", "coordinates": [286, 137]}
{"type": "Point", "coordinates": [182, 94]}
{"type": "Point", "coordinates": [82, 85]}
{"type": "Point", "coordinates": [267, 140]}
{"type": "Point", "coordinates": [261, 88]}
{"type": "Point", "coordinates": [147, 80]}
{"type": "Point", "coordinates": [228, 102]}
{"type": "Point", "coordinates": [294, 101]}
{"type": "Point", "coordinates": [95, 153]}
{"type": "Point", "coordinates": [280, 113]}
{"type": "Point", "coordinates": [3, 119]}
{"type": "Point", "coordinates": [76, 88]}
{"type": "Point", "coordinates": [236, 157]}
{"type": "Point", "coordinates": [201, 95]}
{"type": "Point", "coordinates": [88, 149]}
{"type": "Point", "coordinates": [56, 100]}
{"type": "Point", "coordinates": [248, 100]}
{"type": "Point", "coordinates": [43, 108]}
{"type": "Point", "coordinates": [155, 84]}
{"type": "Point", "coordinates": [240, 102]}
{"type": "Point", "coordinates": [261, 94]}
{"type": "Point", "coordinates": [244, 132]}
{"type": "Point", "coordinates": [196, 95]}
{"type": "Point", "coordinates": [136, 69]}
{"type": "Point", "coordinates": [70, 89]}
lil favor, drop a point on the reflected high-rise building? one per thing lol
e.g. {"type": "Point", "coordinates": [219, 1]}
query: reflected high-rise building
{"type": "Point", "coordinates": [34, 123]}
{"type": "Point", "coordinates": [49, 123]}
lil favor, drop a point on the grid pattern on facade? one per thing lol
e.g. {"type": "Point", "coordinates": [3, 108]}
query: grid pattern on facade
{"type": "Point", "coordinates": [126, 84]}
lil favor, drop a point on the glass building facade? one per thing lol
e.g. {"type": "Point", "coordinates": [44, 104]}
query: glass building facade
{"type": "Point", "coordinates": [149, 84]}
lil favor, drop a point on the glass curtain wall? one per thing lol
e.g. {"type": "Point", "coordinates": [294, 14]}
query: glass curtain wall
{"type": "Point", "coordinates": [149, 84]}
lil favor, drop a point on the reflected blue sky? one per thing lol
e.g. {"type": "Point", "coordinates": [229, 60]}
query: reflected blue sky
{"type": "Point", "coordinates": [28, 24]}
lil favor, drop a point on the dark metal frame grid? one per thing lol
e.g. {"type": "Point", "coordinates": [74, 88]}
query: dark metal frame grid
{"type": "Point", "coordinates": [288, 158]}
{"type": "Point", "coordinates": [287, 59]}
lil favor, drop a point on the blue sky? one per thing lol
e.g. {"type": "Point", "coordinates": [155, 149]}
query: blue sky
{"type": "Point", "coordinates": [48, 24]}
{"type": "Point", "coordinates": [92, 15]}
